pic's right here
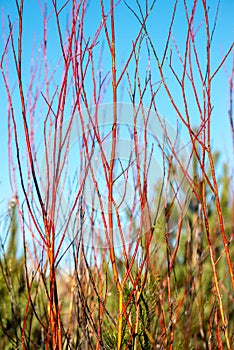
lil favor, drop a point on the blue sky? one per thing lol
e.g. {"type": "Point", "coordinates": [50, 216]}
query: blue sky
{"type": "Point", "coordinates": [126, 29]}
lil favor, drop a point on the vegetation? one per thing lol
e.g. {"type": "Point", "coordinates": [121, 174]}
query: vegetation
{"type": "Point", "coordinates": [191, 316]}
{"type": "Point", "coordinates": [157, 274]}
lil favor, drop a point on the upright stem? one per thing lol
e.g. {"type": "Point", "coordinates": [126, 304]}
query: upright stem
{"type": "Point", "coordinates": [111, 169]}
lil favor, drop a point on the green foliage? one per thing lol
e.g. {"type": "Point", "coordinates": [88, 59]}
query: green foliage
{"type": "Point", "coordinates": [17, 318]}
{"type": "Point", "coordinates": [12, 288]}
